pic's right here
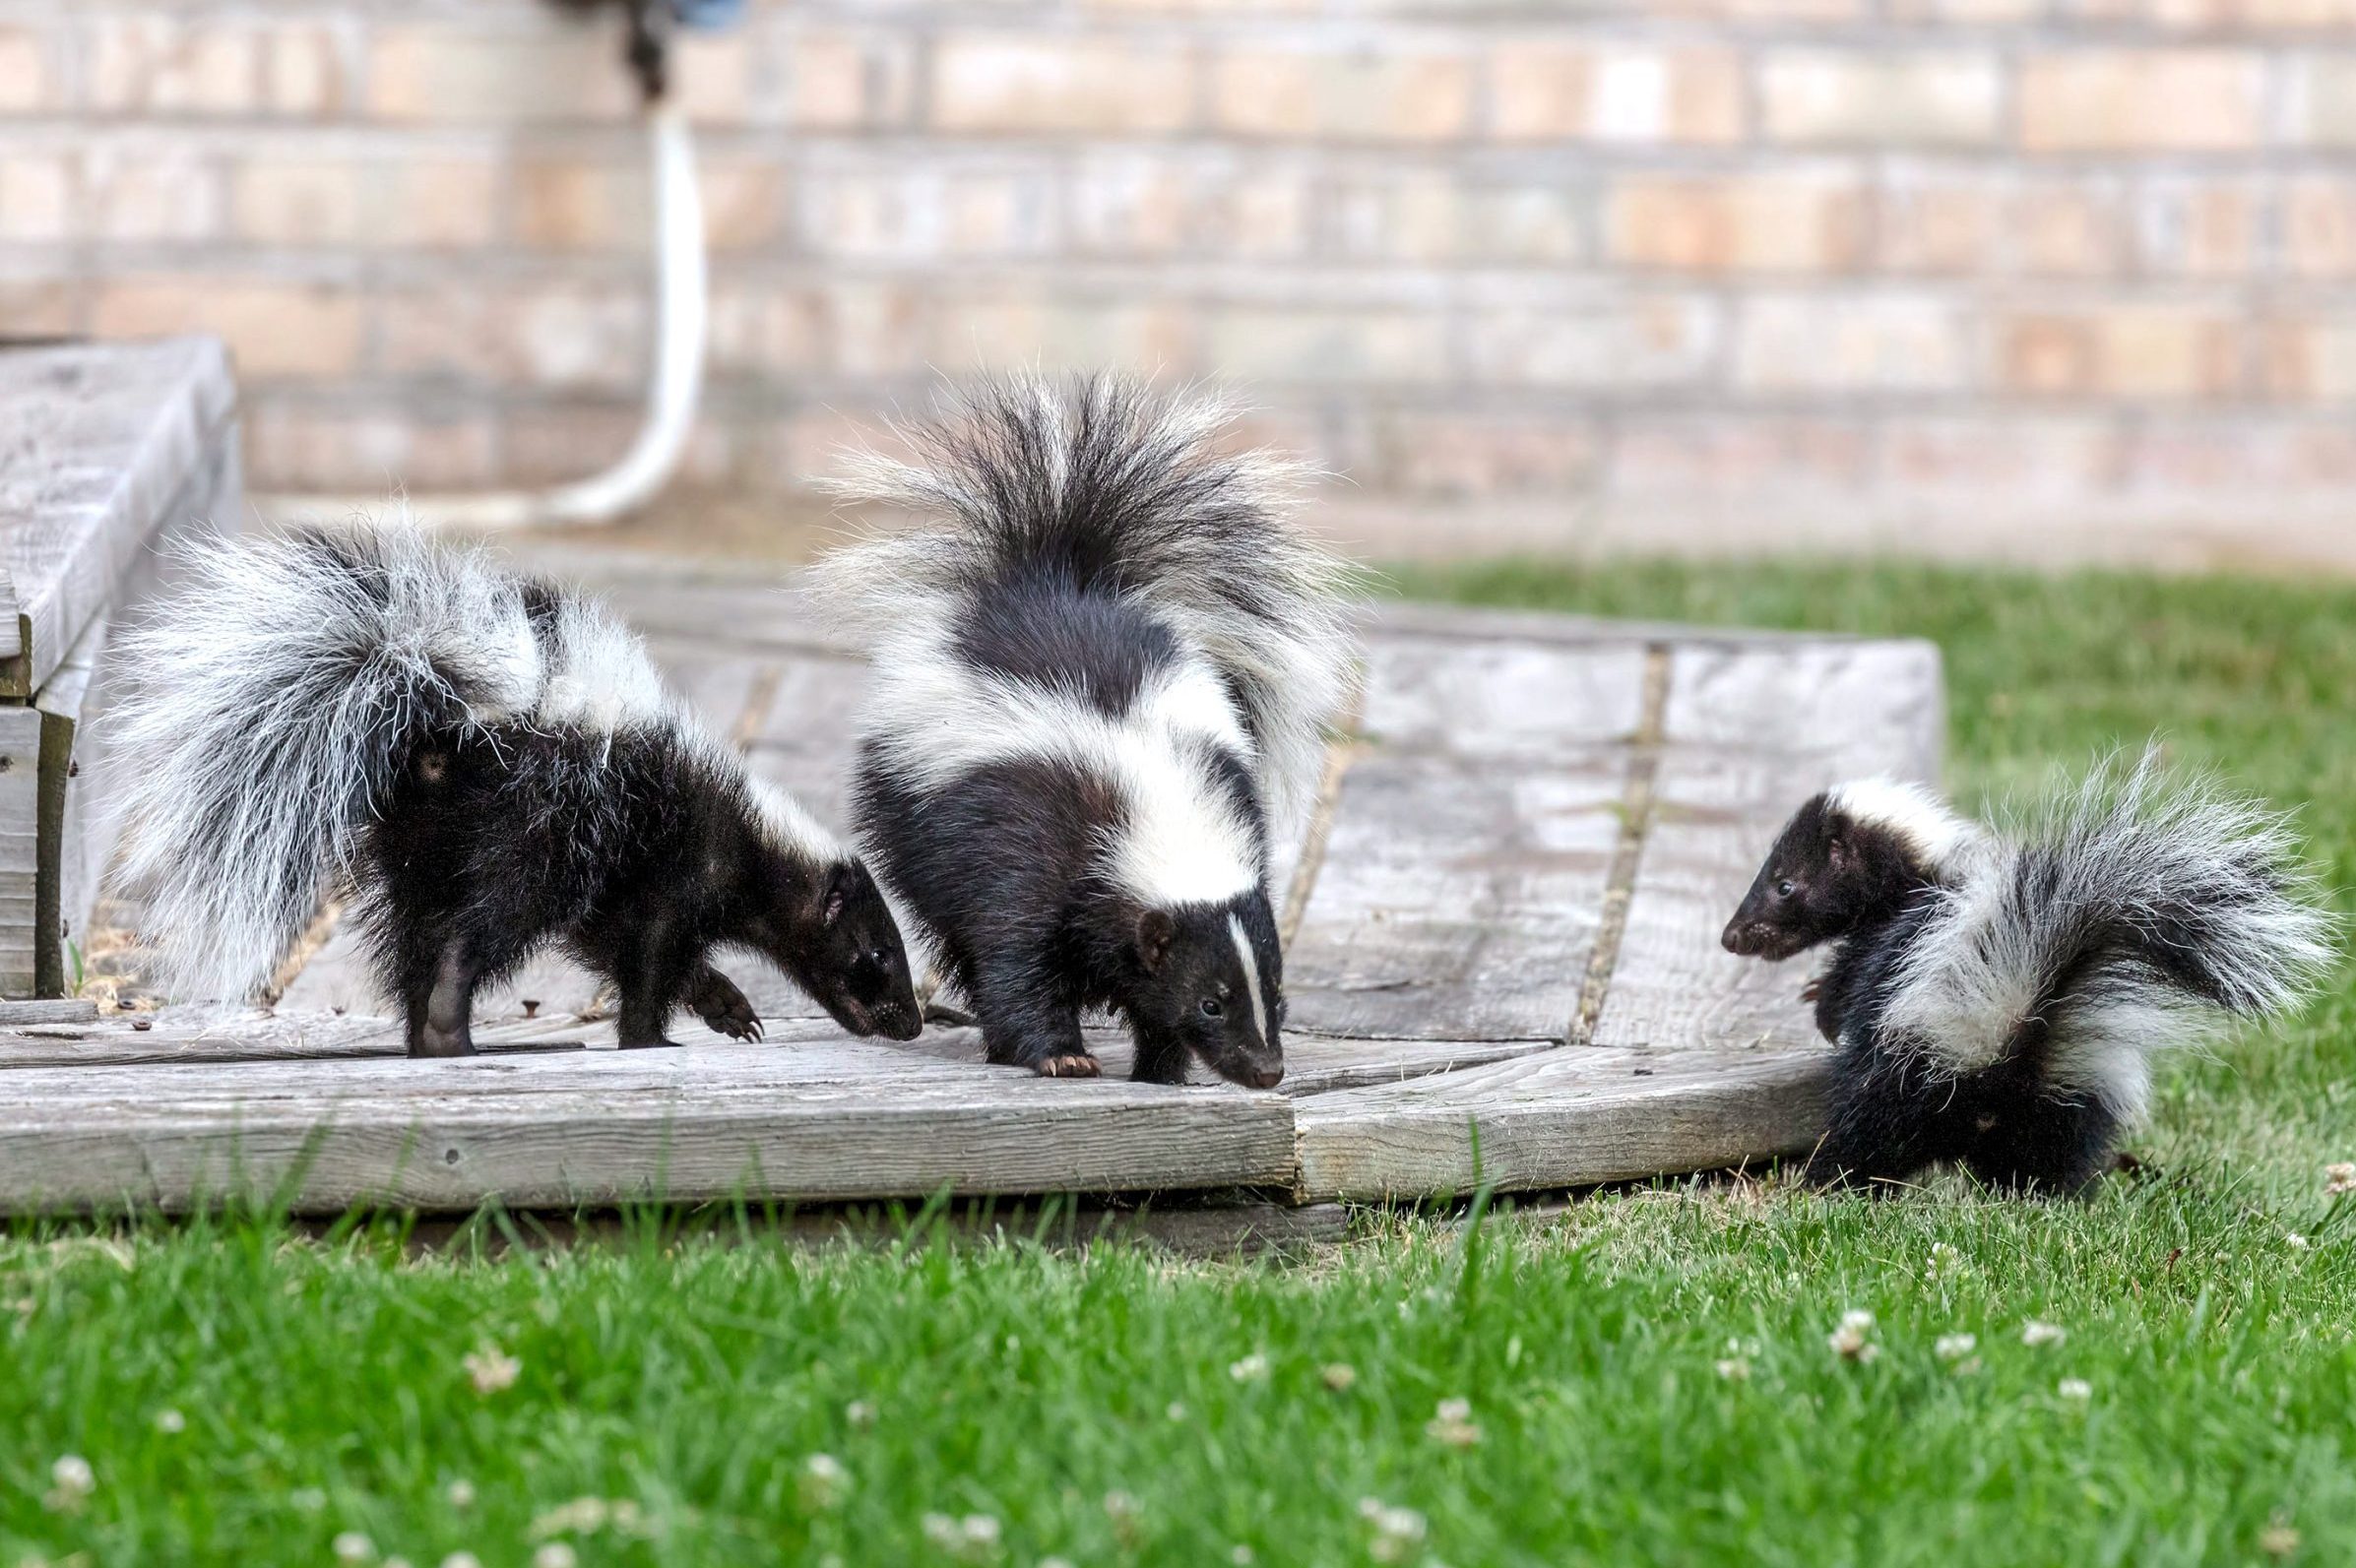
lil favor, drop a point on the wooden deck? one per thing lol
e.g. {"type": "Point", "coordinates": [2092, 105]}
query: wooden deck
{"type": "Point", "coordinates": [1502, 965]}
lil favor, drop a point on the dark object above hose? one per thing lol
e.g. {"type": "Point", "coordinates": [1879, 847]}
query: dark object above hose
{"type": "Point", "coordinates": [651, 23]}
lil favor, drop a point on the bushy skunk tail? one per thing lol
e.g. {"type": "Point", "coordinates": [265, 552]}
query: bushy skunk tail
{"type": "Point", "coordinates": [1128, 491]}
{"type": "Point", "coordinates": [2123, 917]}
{"type": "Point", "coordinates": [270, 705]}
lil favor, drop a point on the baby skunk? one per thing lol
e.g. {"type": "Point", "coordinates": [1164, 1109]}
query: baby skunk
{"type": "Point", "coordinates": [1997, 999]}
{"type": "Point", "coordinates": [494, 763]}
{"type": "Point", "coordinates": [1096, 682]}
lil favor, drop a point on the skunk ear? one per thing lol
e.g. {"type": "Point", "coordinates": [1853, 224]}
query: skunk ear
{"type": "Point", "coordinates": [1156, 930]}
{"type": "Point", "coordinates": [839, 888]}
{"type": "Point", "coordinates": [1836, 852]}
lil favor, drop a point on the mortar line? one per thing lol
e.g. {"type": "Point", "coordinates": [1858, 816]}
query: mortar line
{"type": "Point", "coordinates": [1340, 753]}
{"type": "Point", "coordinates": [1637, 805]}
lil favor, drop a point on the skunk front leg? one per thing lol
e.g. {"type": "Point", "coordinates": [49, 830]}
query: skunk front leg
{"type": "Point", "coordinates": [1023, 1024]}
{"type": "Point", "coordinates": [652, 971]}
{"type": "Point", "coordinates": [1890, 1118]}
{"type": "Point", "coordinates": [722, 1006]}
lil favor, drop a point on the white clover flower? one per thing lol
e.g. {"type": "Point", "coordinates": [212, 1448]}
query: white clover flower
{"type": "Point", "coordinates": [1398, 1531]}
{"type": "Point", "coordinates": [2339, 1177]}
{"type": "Point", "coordinates": [171, 1421]}
{"type": "Point", "coordinates": [859, 1413]}
{"type": "Point", "coordinates": [1338, 1375]}
{"type": "Point", "coordinates": [2296, 1242]}
{"type": "Point", "coordinates": [2075, 1388]}
{"type": "Point", "coordinates": [1734, 1369]}
{"type": "Point", "coordinates": [824, 1482]}
{"type": "Point", "coordinates": [1253, 1368]}
{"type": "Point", "coordinates": [1850, 1341]}
{"type": "Point", "coordinates": [1453, 1425]}
{"type": "Point", "coordinates": [1955, 1347]}
{"type": "Point", "coordinates": [461, 1493]}
{"type": "Point", "coordinates": [491, 1369]}
{"type": "Point", "coordinates": [555, 1555]}
{"type": "Point", "coordinates": [352, 1547]}
{"type": "Point", "coordinates": [461, 1559]}
{"type": "Point", "coordinates": [72, 1476]}
{"type": "Point", "coordinates": [2034, 1332]}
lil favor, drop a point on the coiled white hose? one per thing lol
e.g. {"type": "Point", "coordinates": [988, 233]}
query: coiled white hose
{"type": "Point", "coordinates": [683, 287]}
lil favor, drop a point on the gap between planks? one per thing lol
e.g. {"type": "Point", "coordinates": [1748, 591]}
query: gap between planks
{"type": "Point", "coordinates": [1340, 753]}
{"type": "Point", "coordinates": [1635, 822]}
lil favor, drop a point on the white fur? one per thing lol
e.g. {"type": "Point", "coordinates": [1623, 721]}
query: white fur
{"type": "Point", "coordinates": [934, 719]}
{"type": "Point", "coordinates": [791, 828]}
{"type": "Point", "coordinates": [2121, 854]}
{"type": "Point", "coordinates": [1932, 833]}
{"type": "Point", "coordinates": [600, 680]}
{"type": "Point", "coordinates": [1266, 613]}
{"type": "Point", "coordinates": [1251, 973]}
{"type": "Point", "coordinates": [246, 755]}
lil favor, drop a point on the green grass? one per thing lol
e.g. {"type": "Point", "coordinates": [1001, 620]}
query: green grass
{"type": "Point", "coordinates": [692, 1371]}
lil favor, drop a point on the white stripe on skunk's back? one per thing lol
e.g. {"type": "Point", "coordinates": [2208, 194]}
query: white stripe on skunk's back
{"type": "Point", "coordinates": [598, 677]}
{"type": "Point", "coordinates": [937, 719]}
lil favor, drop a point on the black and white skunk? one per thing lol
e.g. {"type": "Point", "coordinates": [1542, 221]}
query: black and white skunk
{"type": "Point", "coordinates": [493, 763]}
{"type": "Point", "coordinates": [1100, 677]}
{"type": "Point", "coordinates": [1997, 998]}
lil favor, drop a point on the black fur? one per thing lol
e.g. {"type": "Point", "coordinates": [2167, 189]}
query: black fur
{"type": "Point", "coordinates": [637, 855]}
{"type": "Point", "coordinates": [1893, 1112]}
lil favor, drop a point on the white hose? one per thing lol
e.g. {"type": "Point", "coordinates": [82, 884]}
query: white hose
{"type": "Point", "coordinates": [678, 382]}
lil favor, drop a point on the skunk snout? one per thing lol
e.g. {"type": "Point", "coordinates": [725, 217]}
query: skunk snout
{"type": "Point", "coordinates": [1264, 1077]}
{"type": "Point", "coordinates": [1742, 941]}
{"type": "Point", "coordinates": [899, 1021]}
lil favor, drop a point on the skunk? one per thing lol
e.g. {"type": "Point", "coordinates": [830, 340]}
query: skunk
{"type": "Point", "coordinates": [1100, 677]}
{"type": "Point", "coordinates": [1996, 997]}
{"type": "Point", "coordinates": [492, 762]}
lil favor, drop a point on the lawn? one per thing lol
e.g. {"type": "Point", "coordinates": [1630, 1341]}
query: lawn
{"type": "Point", "coordinates": [1646, 1374]}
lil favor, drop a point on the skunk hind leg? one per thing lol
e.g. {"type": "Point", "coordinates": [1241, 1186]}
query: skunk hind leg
{"type": "Point", "coordinates": [2046, 1142]}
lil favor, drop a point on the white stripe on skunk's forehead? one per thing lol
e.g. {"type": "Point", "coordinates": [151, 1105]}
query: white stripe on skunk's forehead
{"type": "Point", "coordinates": [599, 678]}
{"type": "Point", "coordinates": [790, 827]}
{"type": "Point", "coordinates": [1251, 973]}
{"type": "Point", "coordinates": [1919, 818]}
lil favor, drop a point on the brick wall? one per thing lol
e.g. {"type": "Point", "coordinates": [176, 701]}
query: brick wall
{"type": "Point", "coordinates": [2025, 274]}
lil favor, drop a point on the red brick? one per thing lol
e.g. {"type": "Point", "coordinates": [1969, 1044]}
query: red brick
{"type": "Point", "coordinates": [2205, 227]}
{"type": "Point", "coordinates": [453, 73]}
{"type": "Point", "coordinates": [275, 330]}
{"type": "Point", "coordinates": [1877, 98]}
{"type": "Point", "coordinates": [2142, 100]}
{"type": "Point", "coordinates": [1547, 90]}
{"type": "Point", "coordinates": [850, 80]}
{"type": "Point", "coordinates": [1476, 455]}
{"type": "Point", "coordinates": [37, 196]}
{"type": "Point", "coordinates": [1796, 222]}
{"type": "Point", "coordinates": [1636, 341]}
{"type": "Point", "coordinates": [1327, 346]}
{"type": "Point", "coordinates": [1872, 342]}
{"type": "Point", "coordinates": [27, 79]}
{"type": "Point", "coordinates": [161, 64]}
{"type": "Point", "coordinates": [142, 190]}
{"type": "Point", "coordinates": [2318, 226]}
{"type": "Point", "coordinates": [1355, 95]}
{"type": "Point", "coordinates": [1056, 82]}
{"type": "Point", "coordinates": [577, 204]}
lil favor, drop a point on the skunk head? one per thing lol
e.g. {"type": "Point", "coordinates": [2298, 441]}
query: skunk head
{"type": "Point", "coordinates": [834, 934]}
{"type": "Point", "coordinates": [1212, 976]}
{"type": "Point", "coordinates": [1850, 856]}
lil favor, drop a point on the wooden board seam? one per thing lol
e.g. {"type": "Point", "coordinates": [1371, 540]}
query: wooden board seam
{"type": "Point", "coordinates": [1637, 813]}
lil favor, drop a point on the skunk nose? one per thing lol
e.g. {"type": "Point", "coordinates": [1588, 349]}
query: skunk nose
{"type": "Point", "coordinates": [1266, 1077]}
{"type": "Point", "coordinates": [1733, 940]}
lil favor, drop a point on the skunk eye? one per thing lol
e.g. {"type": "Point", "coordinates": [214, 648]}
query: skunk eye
{"type": "Point", "coordinates": [876, 957]}
{"type": "Point", "coordinates": [1211, 1007]}
{"type": "Point", "coordinates": [1783, 889]}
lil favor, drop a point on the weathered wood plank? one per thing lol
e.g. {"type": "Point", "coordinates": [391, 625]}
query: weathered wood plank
{"type": "Point", "coordinates": [20, 848]}
{"type": "Point", "coordinates": [1458, 901]}
{"type": "Point", "coordinates": [1313, 1063]}
{"type": "Point", "coordinates": [1752, 734]}
{"type": "Point", "coordinates": [1471, 840]}
{"type": "Point", "coordinates": [93, 449]}
{"type": "Point", "coordinates": [1559, 1118]}
{"type": "Point", "coordinates": [819, 1123]}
